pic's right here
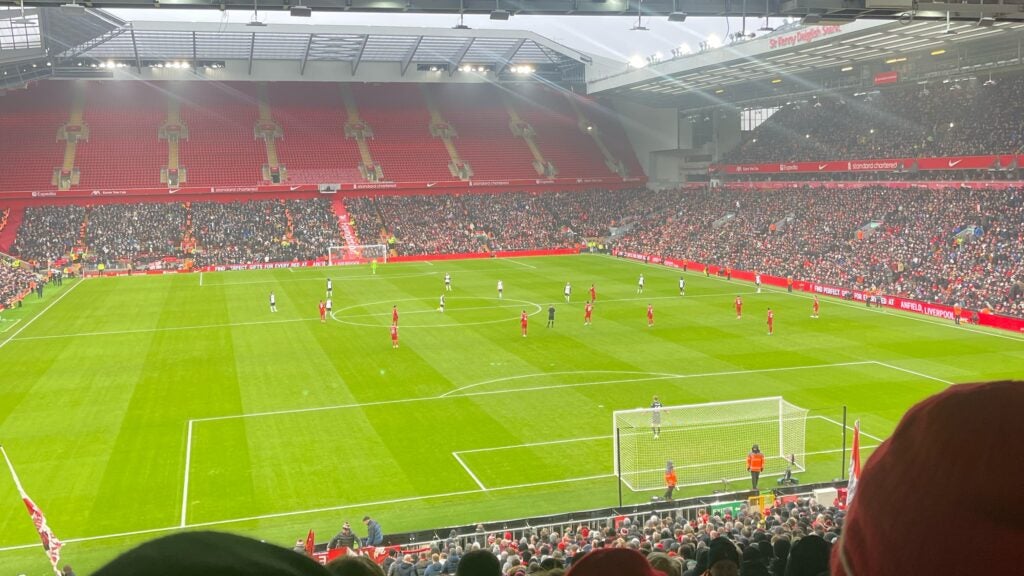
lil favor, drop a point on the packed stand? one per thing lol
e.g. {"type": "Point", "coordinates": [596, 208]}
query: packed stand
{"type": "Point", "coordinates": [232, 232]}
{"type": "Point", "coordinates": [314, 226]}
{"type": "Point", "coordinates": [15, 281]}
{"type": "Point", "coordinates": [937, 119]}
{"type": "Point", "coordinates": [463, 223]}
{"type": "Point", "coordinates": [48, 233]}
{"type": "Point", "coordinates": [913, 243]}
{"type": "Point", "coordinates": [136, 235]}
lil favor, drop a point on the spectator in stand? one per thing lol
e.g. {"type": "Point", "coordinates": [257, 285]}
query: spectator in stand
{"type": "Point", "coordinates": [346, 538]}
{"type": "Point", "coordinates": [374, 535]}
{"type": "Point", "coordinates": [15, 281]}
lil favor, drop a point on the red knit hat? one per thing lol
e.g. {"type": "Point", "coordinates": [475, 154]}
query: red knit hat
{"type": "Point", "coordinates": [963, 443]}
{"type": "Point", "coordinates": [613, 562]}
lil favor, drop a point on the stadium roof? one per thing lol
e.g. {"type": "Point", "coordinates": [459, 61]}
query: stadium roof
{"type": "Point", "coordinates": [809, 59]}
{"type": "Point", "coordinates": [846, 9]}
{"type": "Point", "coordinates": [192, 41]}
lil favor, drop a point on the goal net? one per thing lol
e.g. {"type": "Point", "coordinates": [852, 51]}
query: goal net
{"type": "Point", "coordinates": [361, 254]}
{"type": "Point", "coordinates": [707, 443]}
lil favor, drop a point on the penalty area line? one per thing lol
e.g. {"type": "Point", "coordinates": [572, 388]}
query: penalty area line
{"type": "Point", "coordinates": [468, 471]}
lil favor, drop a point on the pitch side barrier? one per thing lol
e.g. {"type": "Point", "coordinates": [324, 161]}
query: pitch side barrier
{"type": "Point", "coordinates": [896, 302]}
{"type": "Point", "coordinates": [595, 520]}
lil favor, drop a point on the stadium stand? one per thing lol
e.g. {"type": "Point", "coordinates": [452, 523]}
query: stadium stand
{"type": "Point", "coordinates": [15, 282]}
{"type": "Point", "coordinates": [903, 121]}
{"type": "Point", "coordinates": [944, 246]}
{"type": "Point", "coordinates": [123, 148]}
{"type": "Point", "coordinates": [35, 115]}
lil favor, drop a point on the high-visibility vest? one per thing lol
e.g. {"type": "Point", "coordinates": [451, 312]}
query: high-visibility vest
{"type": "Point", "coordinates": [755, 461]}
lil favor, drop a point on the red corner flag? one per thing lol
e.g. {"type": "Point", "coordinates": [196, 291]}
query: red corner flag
{"type": "Point", "coordinates": [851, 487]}
{"type": "Point", "coordinates": [310, 543]}
{"type": "Point", "coordinates": [50, 542]}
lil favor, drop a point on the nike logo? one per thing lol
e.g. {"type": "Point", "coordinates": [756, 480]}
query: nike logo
{"type": "Point", "coordinates": [822, 166]}
{"type": "Point", "coordinates": [294, 188]}
{"type": "Point", "coordinates": [954, 162]}
{"type": "Point", "coordinates": [431, 184]}
{"type": "Point", "coordinates": [173, 190]}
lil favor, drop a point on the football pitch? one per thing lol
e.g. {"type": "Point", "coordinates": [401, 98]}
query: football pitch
{"type": "Point", "coordinates": [133, 407]}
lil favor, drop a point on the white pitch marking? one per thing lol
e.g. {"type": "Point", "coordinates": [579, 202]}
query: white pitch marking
{"type": "Point", "coordinates": [200, 278]}
{"type": "Point", "coordinates": [338, 279]}
{"type": "Point", "coordinates": [519, 263]}
{"type": "Point", "coordinates": [922, 375]}
{"type": "Point", "coordinates": [840, 424]}
{"type": "Point", "coordinates": [470, 472]}
{"type": "Point", "coordinates": [167, 329]}
{"type": "Point", "coordinates": [41, 312]}
{"type": "Point", "coordinates": [517, 390]}
{"type": "Point", "coordinates": [188, 467]}
{"type": "Point", "coordinates": [9, 326]}
{"type": "Point", "coordinates": [528, 445]}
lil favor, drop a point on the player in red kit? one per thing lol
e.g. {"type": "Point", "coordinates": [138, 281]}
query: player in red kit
{"type": "Point", "coordinates": [650, 315]}
{"type": "Point", "coordinates": [394, 315]}
{"type": "Point", "coordinates": [394, 335]}
{"type": "Point", "coordinates": [739, 307]}
{"type": "Point", "coordinates": [814, 308]}
{"type": "Point", "coordinates": [587, 312]}
{"type": "Point", "coordinates": [323, 311]}
{"type": "Point", "coordinates": [771, 322]}
{"type": "Point", "coordinates": [593, 293]}
{"type": "Point", "coordinates": [523, 320]}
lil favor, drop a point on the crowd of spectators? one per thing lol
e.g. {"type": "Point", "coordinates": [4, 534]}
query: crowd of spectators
{"type": "Point", "coordinates": [15, 280]}
{"type": "Point", "coordinates": [950, 246]}
{"type": "Point", "coordinates": [48, 233]}
{"type": "Point", "coordinates": [913, 243]}
{"type": "Point", "coordinates": [942, 118]}
{"type": "Point", "coordinates": [452, 223]}
{"type": "Point", "coordinates": [135, 234]}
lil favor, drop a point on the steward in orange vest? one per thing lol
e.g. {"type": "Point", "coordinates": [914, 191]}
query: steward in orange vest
{"type": "Point", "coordinates": [755, 464]}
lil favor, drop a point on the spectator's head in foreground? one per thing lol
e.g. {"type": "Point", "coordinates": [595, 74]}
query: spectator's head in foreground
{"type": "Point", "coordinates": [478, 563]}
{"type": "Point", "coordinates": [354, 566]}
{"type": "Point", "coordinates": [210, 554]}
{"type": "Point", "coordinates": [613, 562]}
{"type": "Point", "coordinates": [723, 559]}
{"type": "Point", "coordinates": [964, 439]}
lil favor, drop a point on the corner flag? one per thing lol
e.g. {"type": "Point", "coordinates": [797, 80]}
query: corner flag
{"type": "Point", "coordinates": [50, 542]}
{"type": "Point", "coordinates": [310, 543]}
{"type": "Point", "coordinates": [851, 487]}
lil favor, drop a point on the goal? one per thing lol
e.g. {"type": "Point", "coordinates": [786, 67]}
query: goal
{"type": "Point", "coordinates": [361, 254]}
{"type": "Point", "coordinates": [707, 443]}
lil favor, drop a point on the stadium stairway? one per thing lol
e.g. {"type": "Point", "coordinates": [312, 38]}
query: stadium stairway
{"type": "Point", "coordinates": [173, 131]}
{"type": "Point", "coordinates": [348, 230]}
{"type": "Point", "coordinates": [524, 130]}
{"type": "Point", "coordinates": [71, 133]}
{"type": "Point", "coordinates": [269, 131]}
{"type": "Point", "coordinates": [588, 127]}
{"type": "Point", "coordinates": [440, 128]}
{"type": "Point", "coordinates": [9, 231]}
{"type": "Point", "coordinates": [359, 131]}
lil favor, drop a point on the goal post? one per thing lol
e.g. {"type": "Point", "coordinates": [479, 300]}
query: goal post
{"type": "Point", "coordinates": [359, 254]}
{"type": "Point", "coordinates": [707, 443]}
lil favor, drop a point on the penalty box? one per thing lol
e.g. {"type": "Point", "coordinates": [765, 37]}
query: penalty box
{"type": "Point", "coordinates": [279, 461]}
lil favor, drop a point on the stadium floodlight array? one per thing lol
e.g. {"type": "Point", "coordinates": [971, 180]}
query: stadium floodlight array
{"type": "Point", "coordinates": [361, 254]}
{"type": "Point", "coordinates": [708, 443]}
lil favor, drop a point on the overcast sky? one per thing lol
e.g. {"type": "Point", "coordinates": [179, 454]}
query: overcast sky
{"type": "Point", "coordinates": [608, 36]}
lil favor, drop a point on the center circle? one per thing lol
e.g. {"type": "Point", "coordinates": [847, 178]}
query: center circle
{"type": "Point", "coordinates": [338, 315]}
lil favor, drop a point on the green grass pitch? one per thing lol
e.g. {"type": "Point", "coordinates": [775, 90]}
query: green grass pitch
{"type": "Point", "coordinates": [133, 407]}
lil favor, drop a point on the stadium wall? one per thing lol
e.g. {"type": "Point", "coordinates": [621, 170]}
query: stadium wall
{"type": "Point", "coordinates": [650, 130]}
{"type": "Point", "coordinates": [895, 302]}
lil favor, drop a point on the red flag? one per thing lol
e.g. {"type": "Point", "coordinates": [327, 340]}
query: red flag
{"type": "Point", "coordinates": [51, 544]}
{"type": "Point", "coordinates": [851, 487]}
{"type": "Point", "coordinates": [310, 543]}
